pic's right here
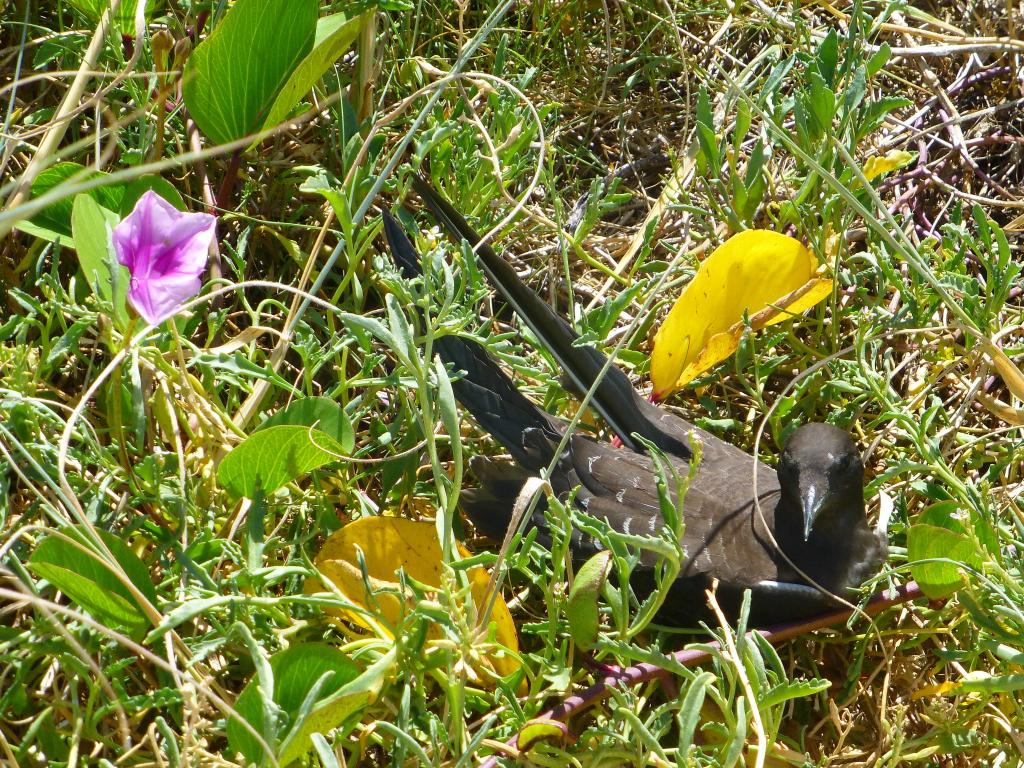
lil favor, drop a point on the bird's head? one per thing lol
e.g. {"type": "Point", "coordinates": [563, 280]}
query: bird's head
{"type": "Point", "coordinates": [821, 472]}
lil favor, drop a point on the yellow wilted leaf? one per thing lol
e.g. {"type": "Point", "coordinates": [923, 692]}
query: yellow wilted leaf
{"type": "Point", "coordinates": [875, 166]}
{"type": "Point", "coordinates": [389, 544]}
{"type": "Point", "coordinates": [936, 689]}
{"type": "Point", "coordinates": [1001, 410]}
{"type": "Point", "coordinates": [1008, 372]}
{"type": "Point", "coordinates": [768, 275]}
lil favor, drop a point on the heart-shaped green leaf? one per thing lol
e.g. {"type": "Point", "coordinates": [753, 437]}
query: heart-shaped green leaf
{"type": "Point", "coordinates": [316, 688]}
{"type": "Point", "coordinates": [935, 555]}
{"type": "Point", "coordinates": [72, 564]}
{"type": "Point", "coordinates": [334, 36]}
{"type": "Point", "coordinates": [138, 187]}
{"type": "Point", "coordinates": [124, 19]}
{"type": "Point", "coordinates": [273, 457]}
{"type": "Point", "coordinates": [335, 710]}
{"type": "Point", "coordinates": [54, 221]}
{"type": "Point", "coordinates": [233, 78]}
{"type": "Point", "coordinates": [321, 413]}
{"type": "Point", "coordinates": [296, 671]}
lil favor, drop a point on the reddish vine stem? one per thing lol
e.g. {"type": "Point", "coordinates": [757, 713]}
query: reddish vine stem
{"type": "Point", "coordinates": [641, 673]}
{"type": "Point", "coordinates": [227, 185]}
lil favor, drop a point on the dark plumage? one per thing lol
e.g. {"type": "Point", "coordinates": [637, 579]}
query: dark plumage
{"type": "Point", "coordinates": [814, 506]}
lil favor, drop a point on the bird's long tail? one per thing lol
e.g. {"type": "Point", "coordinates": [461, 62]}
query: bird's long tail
{"type": "Point", "coordinates": [614, 398]}
{"type": "Point", "coordinates": [484, 389]}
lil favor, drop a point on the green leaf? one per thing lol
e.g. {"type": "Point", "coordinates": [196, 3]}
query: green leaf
{"type": "Point", "coordinates": [68, 341]}
{"type": "Point", "coordinates": [822, 102]}
{"type": "Point", "coordinates": [138, 187]}
{"type": "Point", "coordinates": [273, 457]}
{"type": "Point", "coordinates": [53, 223]}
{"type": "Point", "coordinates": [960, 739]}
{"type": "Point", "coordinates": [319, 184]}
{"type": "Point", "coordinates": [875, 112]}
{"type": "Point", "coordinates": [951, 515]}
{"type": "Point", "coordinates": [55, 219]}
{"type": "Point", "coordinates": [774, 80]}
{"type": "Point", "coordinates": [739, 734]}
{"type": "Point", "coordinates": [755, 165]}
{"type": "Point", "coordinates": [400, 329]}
{"type": "Point", "coordinates": [373, 326]}
{"type": "Point", "coordinates": [792, 690]}
{"type": "Point", "coordinates": [243, 367]}
{"type": "Point", "coordinates": [90, 226]}
{"type": "Point", "coordinates": [704, 113]}
{"type": "Point", "coordinates": [536, 731]}
{"type": "Point", "coordinates": [708, 157]}
{"type": "Point", "coordinates": [446, 402]}
{"type": "Point", "coordinates": [334, 36]}
{"type": "Point", "coordinates": [317, 688]}
{"type": "Point", "coordinates": [828, 57]}
{"type": "Point", "coordinates": [582, 607]}
{"type": "Point", "coordinates": [296, 672]}
{"type": "Point", "coordinates": [70, 563]}
{"type": "Point", "coordinates": [856, 89]}
{"type": "Point", "coordinates": [944, 514]}
{"type": "Point", "coordinates": [322, 413]}
{"type": "Point", "coordinates": [935, 555]}
{"type": "Point", "coordinates": [335, 710]}
{"type": "Point", "coordinates": [879, 59]}
{"type": "Point", "coordinates": [708, 143]}
{"type": "Point", "coordinates": [324, 752]}
{"type": "Point", "coordinates": [233, 77]}
{"type": "Point", "coordinates": [982, 682]}
{"type": "Point", "coordinates": [44, 233]}
{"type": "Point", "coordinates": [739, 131]}
{"type": "Point", "coordinates": [124, 18]}
{"type": "Point", "coordinates": [689, 711]}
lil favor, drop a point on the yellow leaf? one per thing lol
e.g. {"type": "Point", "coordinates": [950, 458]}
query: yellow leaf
{"type": "Point", "coordinates": [936, 689]}
{"type": "Point", "coordinates": [1008, 372]}
{"type": "Point", "coordinates": [389, 544]}
{"type": "Point", "coordinates": [543, 730]}
{"type": "Point", "coordinates": [1017, 225]}
{"type": "Point", "coordinates": [767, 275]}
{"type": "Point", "coordinates": [1001, 410]}
{"type": "Point", "coordinates": [875, 166]}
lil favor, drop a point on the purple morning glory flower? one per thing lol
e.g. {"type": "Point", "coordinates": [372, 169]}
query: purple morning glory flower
{"type": "Point", "coordinates": [165, 251]}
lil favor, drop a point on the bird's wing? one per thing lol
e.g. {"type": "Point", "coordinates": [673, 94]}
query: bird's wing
{"type": "Point", "coordinates": [491, 506]}
{"type": "Point", "coordinates": [721, 537]}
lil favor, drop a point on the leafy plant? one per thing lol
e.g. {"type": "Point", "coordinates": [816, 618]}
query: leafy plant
{"type": "Point", "coordinates": [259, 62]}
{"type": "Point", "coordinates": [209, 465]}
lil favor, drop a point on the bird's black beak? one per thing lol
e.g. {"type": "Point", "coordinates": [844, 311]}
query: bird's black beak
{"type": "Point", "coordinates": [813, 494]}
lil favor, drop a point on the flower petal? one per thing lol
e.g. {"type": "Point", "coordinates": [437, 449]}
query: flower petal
{"type": "Point", "coordinates": [156, 299]}
{"type": "Point", "coordinates": [165, 251]}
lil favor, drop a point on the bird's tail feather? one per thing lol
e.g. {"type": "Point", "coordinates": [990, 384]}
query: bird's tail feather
{"type": "Point", "coordinates": [484, 389]}
{"type": "Point", "coordinates": [403, 252]}
{"type": "Point", "coordinates": [614, 399]}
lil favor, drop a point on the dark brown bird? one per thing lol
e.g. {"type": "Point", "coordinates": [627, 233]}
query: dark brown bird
{"type": "Point", "coordinates": [813, 507]}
